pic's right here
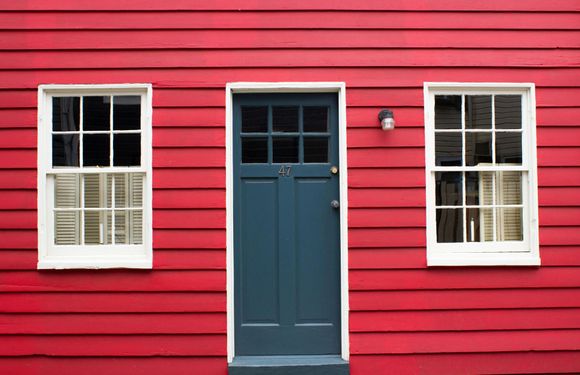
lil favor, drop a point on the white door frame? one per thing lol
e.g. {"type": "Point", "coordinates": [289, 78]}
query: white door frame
{"type": "Point", "coordinates": [287, 87]}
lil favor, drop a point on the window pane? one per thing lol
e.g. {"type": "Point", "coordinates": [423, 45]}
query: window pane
{"type": "Point", "coordinates": [508, 187]}
{"type": "Point", "coordinates": [509, 224]}
{"type": "Point", "coordinates": [94, 188]}
{"type": "Point", "coordinates": [66, 114]}
{"type": "Point", "coordinates": [126, 112]}
{"type": "Point", "coordinates": [448, 149]}
{"type": "Point", "coordinates": [448, 112]}
{"type": "Point", "coordinates": [96, 150]}
{"type": "Point", "coordinates": [508, 112]}
{"type": "Point", "coordinates": [472, 187]}
{"type": "Point", "coordinates": [126, 150]}
{"type": "Point", "coordinates": [486, 188]}
{"type": "Point", "coordinates": [315, 119]}
{"type": "Point", "coordinates": [254, 150]}
{"type": "Point", "coordinates": [479, 224]}
{"type": "Point", "coordinates": [449, 189]}
{"type": "Point", "coordinates": [449, 225]}
{"type": "Point", "coordinates": [67, 191]}
{"type": "Point", "coordinates": [285, 119]}
{"type": "Point", "coordinates": [508, 148]}
{"type": "Point", "coordinates": [65, 150]}
{"type": "Point", "coordinates": [477, 148]}
{"type": "Point", "coordinates": [67, 228]}
{"type": "Point", "coordinates": [254, 119]}
{"type": "Point", "coordinates": [316, 150]}
{"type": "Point", "coordinates": [96, 112]}
{"type": "Point", "coordinates": [285, 150]}
{"type": "Point", "coordinates": [478, 112]}
{"type": "Point", "coordinates": [128, 227]}
{"type": "Point", "coordinates": [98, 227]}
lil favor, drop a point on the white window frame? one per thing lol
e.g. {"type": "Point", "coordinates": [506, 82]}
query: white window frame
{"type": "Point", "coordinates": [507, 253]}
{"type": "Point", "coordinates": [91, 256]}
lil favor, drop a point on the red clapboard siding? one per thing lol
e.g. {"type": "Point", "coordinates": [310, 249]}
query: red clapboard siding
{"type": "Point", "coordinates": [121, 365]}
{"type": "Point", "coordinates": [374, 5]}
{"type": "Point", "coordinates": [189, 198]}
{"type": "Point", "coordinates": [17, 199]}
{"type": "Point", "coordinates": [17, 179]}
{"type": "Point", "coordinates": [18, 219]}
{"type": "Point", "coordinates": [187, 281]}
{"type": "Point", "coordinates": [479, 363]}
{"type": "Point", "coordinates": [196, 219]}
{"type": "Point", "coordinates": [117, 302]}
{"type": "Point", "coordinates": [106, 345]}
{"type": "Point", "coordinates": [458, 299]}
{"type": "Point", "coordinates": [464, 278]}
{"type": "Point", "coordinates": [273, 39]}
{"type": "Point", "coordinates": [190, 178]}
{"type": "Point", "coordinates": [279, 20]}
{"type": "Point", "coordinates": [189, 239]}
{"type": "Point", "coordinates": [112, 324]}
{"type": "Point", "coordinates": [188, 157]}
{"type": "Point", "coordinates": [386, 217]}
{"type": "Point", "coordinates": [560, 216]}
{"type": "Point", "coordinates": [189, 137]}
{"type": "Point", "coordinates": [559, 196]}
{"type": "Point", "coordinates": [465, 320]}
{"type": "Point", "coordinates": [372, 77]}
{"type": "Point", "coordinates": [387, 197]}
{"type": "Point", "coordinates": [296, 58]}
{"type": "Point", "coordinates": [464, 342]}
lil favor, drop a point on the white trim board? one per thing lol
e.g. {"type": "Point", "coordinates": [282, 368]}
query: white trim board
{"type": "Point", "coordinates": [287, 87]}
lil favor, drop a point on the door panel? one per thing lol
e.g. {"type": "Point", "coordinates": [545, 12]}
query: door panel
{"type": "Point", "coordinates": [286, 233]}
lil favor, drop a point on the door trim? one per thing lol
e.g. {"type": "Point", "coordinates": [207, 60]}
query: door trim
{"type": "Point", "coordinates": [287, 87]}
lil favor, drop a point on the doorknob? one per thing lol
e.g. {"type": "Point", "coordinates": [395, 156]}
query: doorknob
{"type": "Point", "coordinates": [334, 204]}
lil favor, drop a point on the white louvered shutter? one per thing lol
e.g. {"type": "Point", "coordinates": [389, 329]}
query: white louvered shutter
{"type": "Point", "coordinates": [67, 223]}
{"type": "Point", "coordinates": [508, 192]}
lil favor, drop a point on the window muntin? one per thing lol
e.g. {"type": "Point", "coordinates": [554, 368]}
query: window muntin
{"type": "Point", "coordinates": [480, 180]}
{"type": "Point", "coordinates": [96, 178]}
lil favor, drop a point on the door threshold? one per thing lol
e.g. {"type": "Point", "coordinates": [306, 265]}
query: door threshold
{"type": "Point", "coordinates": [289, 365]}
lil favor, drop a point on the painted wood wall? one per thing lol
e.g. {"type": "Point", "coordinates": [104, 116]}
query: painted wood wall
{"type": "Point", "coordinates": [405, 318]}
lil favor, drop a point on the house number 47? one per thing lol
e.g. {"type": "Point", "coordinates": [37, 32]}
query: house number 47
{"type": "Point", "coordinates": [284, 171]}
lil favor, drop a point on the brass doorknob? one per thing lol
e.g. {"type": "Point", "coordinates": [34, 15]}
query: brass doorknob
{"type": "Point", "coordinates": [334, 169]}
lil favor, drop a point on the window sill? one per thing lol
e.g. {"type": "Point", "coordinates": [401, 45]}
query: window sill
{"type": "Point", "coordinates": [483, 259]}
{"type": "Point", "coordinates": [61, 263]}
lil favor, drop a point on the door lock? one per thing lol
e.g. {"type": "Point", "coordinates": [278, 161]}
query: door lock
{"type": "Point", "coordinates": [334, 204]}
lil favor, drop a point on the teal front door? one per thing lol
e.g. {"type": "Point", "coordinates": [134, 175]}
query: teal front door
{"type": "Point", "coordinates": [286, 224]}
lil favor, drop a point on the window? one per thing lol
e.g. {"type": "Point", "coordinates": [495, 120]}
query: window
{"type": "Point", "coordinates": [94, 176]}
{"type": "Point", "coordinates": [481, 174]}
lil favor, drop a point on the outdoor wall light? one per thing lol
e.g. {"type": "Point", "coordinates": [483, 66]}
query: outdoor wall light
{"type": "Point", "coordinates": [387, 119]}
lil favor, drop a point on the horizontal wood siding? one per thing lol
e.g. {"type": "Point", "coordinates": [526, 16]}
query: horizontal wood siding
{"type": "Point", "coordinates": [405, 318]}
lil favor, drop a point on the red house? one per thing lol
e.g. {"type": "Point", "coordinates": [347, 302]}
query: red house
{"type": "Point", "coordinates": [305, 187]}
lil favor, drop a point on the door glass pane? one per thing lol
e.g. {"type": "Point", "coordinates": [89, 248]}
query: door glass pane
{"type": "Point", "coordinates": [65, 150]}
{"type": "Point", "coordinates": [508, 112]}
{"type": "Point", "coordinates": [448, 149]}
{"type": "Point", "coordinates": [315, 119]}
{"type": "Point", "coordinates": [448, 112]}
{"type": "Point", "coordinates": [478, 112]}
{"type": "Point", "coordinates": [254, 119]}
{"type": "Point", "coordinates": [449, 225]}
{"type": "Point", "coordinates": [477, 148]}
{"type": "Point", "coordinates": [67, 228]}
{"type": "Point", "coordinates": [508, 148]}
{"type": "Point", "coordinates": [96, 150]}
{"type": "Point", "coordinates": [126, 112]}
{"type": "Point", "coordinates": [285, 119]}
{"type": "Point", "coordinates": [285, 150]}
{"type": "Point", "coordinates": [449, 189]}
{"type": "Point", "coordinates": [126, 150]}
{"type": "Point", "coordinates": [254, 150]}
{"type": "Point", "coordinates": [96, 112]}
{"type": "Point", "coordinates": [66, 114]}
{"type": "Point", "coordinates": [316, 150]}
